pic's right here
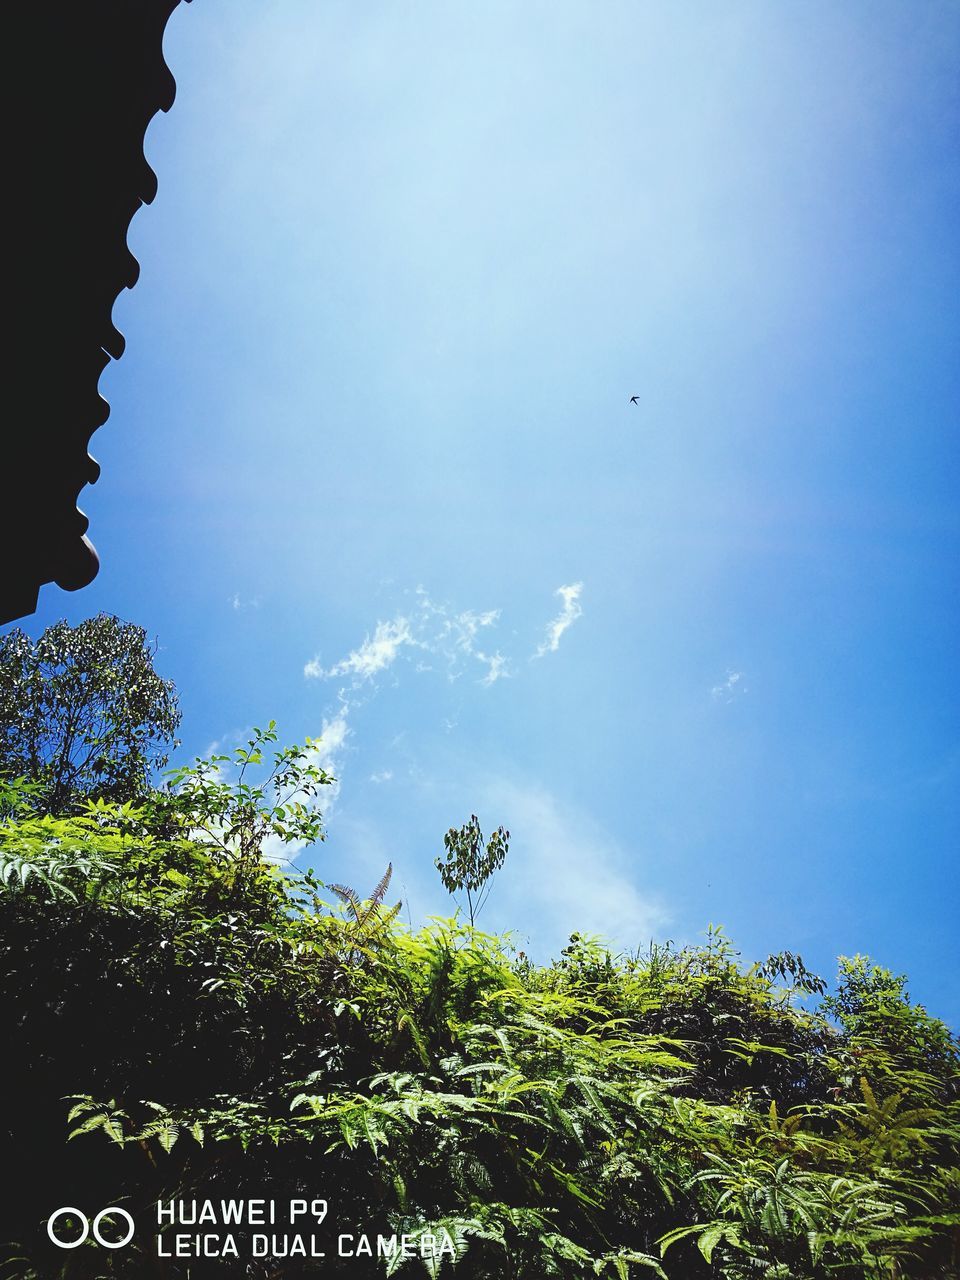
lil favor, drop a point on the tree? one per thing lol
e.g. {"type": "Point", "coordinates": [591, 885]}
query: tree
{"type": "Point", "coordinates": [469, 864]}
{"type": "Point", "coordinates": [83, 714]}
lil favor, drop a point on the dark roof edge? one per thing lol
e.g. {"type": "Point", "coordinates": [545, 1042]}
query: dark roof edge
{"type": "Point", "coordinates": [94, 78]}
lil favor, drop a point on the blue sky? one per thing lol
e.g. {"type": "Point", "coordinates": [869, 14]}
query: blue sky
{"type": "Point", "coordinates": [371, 467]}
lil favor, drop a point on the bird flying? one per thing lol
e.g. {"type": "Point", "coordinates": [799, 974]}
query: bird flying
{"type": "Point", "coordinates": [635, 400]}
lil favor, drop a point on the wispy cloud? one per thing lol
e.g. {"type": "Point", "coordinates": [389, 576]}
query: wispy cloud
{"type": "Point", "coordinates": [440, 636]}
{"type": "Point", "coordinates": [451, 636]}
{"type": "Point", "coordinates": [239, 602]}
{"type": "Point", "coordinates": [729, 688]}
{"type": "Point", "coordinates": [434, 638]}
{"type": "Point", "coordinates": [327, 751]}
{"type": "Point", "coordinates": [570, 611]}
{"type": "Point", "coordinates": [373, 656]}
{"type": "Point", "coordinates": [567, 870]}
{"type": "Point", "coordinates": [443, 639]}
{"type": "Point", "coordinates": [496, 667]}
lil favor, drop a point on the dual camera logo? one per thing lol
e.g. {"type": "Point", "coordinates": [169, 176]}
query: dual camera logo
{"type": "Point", "coordinates": [68, 1228]}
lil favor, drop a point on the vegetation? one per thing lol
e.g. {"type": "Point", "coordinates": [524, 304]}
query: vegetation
{"type": "Point", "coordinates": [470, 865]}
{"type": "Point", "coordinates": [187, 1021]}
{"type": "Point", "coordinates": [83, 713]}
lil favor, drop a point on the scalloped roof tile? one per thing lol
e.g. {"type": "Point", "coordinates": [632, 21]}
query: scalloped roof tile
{"type": "Point", "coordinates": [91, 78]}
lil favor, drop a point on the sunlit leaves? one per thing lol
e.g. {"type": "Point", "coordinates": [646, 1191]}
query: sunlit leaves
{"type": "Point", "coordinates": [83, 713]}
{"type": "Point", "coordinates": [672, 1112]}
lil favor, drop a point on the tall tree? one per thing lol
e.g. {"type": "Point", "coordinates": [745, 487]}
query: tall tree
{"type": "Point", "coordinates": [83, 713]}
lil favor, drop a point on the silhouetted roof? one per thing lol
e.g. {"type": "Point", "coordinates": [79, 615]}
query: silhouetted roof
{"type": "Point", "coordinates": [90, 77]}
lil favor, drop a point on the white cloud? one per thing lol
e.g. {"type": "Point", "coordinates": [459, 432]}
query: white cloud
{"type": "Point", "coordinates": [327, 753]}
{"type": "Point", "coordinates": [238, 602]}
{"type": "Point", "coordinates": [729, 688]}
{"type": "Point", "coordinates": [463, 627]}
{"type": "Point", "coordinates": [445, 641]}
{"type": "Point", "coordinates": [570, 611]}
{"type": "Point", "coordinates": [449, 638]}
{"type": "Point", "coordinates": [566, 871]}
{"type": "Point", "coordinates": [452, 637]}
{"type": "Point", "coordinates": [279, 851]}
{"type": "Point", "coordinates": [496, 667]}
{"type": "Point", "coordinates": [327, 748]}
{"type": "Point", "coordinates": [372, 656]}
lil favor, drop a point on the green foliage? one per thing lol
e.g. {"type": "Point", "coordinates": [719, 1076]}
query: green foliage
{"type": "Point", "coordinates": [83, 713]}
{"type": "Point", "coordinates": [469, 864]}
{"type": "Point", "coordinates": [189, 1020]}
{"type": "Point", "coordinates": [785, 965]}
{"type": "Point", "coordinates": [371, 920]}
{"type": "Point", "coordinates": [215, 802]}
